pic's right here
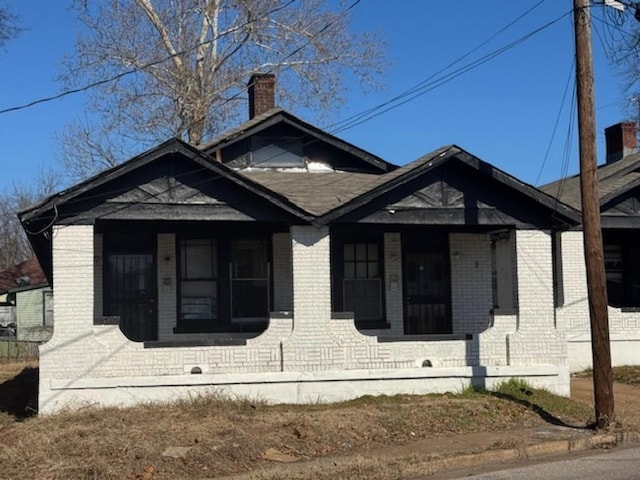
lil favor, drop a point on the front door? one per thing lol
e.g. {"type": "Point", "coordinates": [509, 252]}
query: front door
{"type": "Point", "coordinates": [130, 293]}
{"type": "Point", "coordinates": [427, 286]}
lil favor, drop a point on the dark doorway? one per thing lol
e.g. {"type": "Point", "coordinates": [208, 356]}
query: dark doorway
{"type": "Point", "coordinates": [130, 291]}
{"type": "Point", "coordinates": [427, 285]}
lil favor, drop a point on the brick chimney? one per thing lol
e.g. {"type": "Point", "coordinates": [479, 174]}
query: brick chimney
{"type": "Point", "coordinates": [621, 140]}
{"type": "Point", "coordinates": [262, 88]}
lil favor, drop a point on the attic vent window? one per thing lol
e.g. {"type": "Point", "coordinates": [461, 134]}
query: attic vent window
{"type": "Point", "coordinates": [277, 152]}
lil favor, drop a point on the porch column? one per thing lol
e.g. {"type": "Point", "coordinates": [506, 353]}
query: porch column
{"type": "Point", "coordinates": [73, 292]}
{"type": "Point", "coordinates": [536, 340]}
{"type": "Point", "coordinates": [310, 248]}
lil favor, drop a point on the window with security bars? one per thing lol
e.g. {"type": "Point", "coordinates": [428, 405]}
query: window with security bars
{"type": "Point", "coordinates": [198, 279]}
{"type": "Point", "coordinates": [362, 283]}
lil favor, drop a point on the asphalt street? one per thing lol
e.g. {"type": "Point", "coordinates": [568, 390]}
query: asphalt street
{"type": "Point", "coordinates": [617, 464]}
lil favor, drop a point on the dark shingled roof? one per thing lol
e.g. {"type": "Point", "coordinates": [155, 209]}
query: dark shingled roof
{"type": "Point", "coordinates": [29, 271]}
{"type": "Point", "coordinates": [316, 193]}
{"type": "Point", "coordinates": [321, 192]}
{"type": "Point", "coordinates": [613, 179]}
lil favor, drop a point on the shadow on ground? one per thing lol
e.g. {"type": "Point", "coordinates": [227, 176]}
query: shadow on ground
{"type": "Point", "coordinates": [544, 414]}
{"type": "Point", "coordinates": [19, 396]}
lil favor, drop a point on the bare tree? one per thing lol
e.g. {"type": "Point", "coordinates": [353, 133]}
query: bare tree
{"type": "Point", "coordinates": [14, 245]}
{"type": "Point", "coordinates": [190, 61]}
{"type": "Point", "coordinates": [8, 26]}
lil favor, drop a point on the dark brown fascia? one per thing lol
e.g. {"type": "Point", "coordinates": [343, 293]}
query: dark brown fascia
{"type": "Point", "coordinates": [171, 146]}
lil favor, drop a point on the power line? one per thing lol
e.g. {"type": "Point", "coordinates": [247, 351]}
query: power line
{"type": "Point", "coordinates": [423, 88]}
{"type": "Point", "coordinates": [131, 71]}
{"type": "Point", "coordinates": [416, 87]}
{"type": "Point", "coordinates": [555, 125]}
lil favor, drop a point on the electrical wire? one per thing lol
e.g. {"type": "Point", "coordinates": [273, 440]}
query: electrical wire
{"type": "Point", "coordinates": [420, 88]}
{"type": "Point", "coordinates": [559, 114]}
{"type": "Point", "coordinates": [131, 71]}
{"type": "Point", "coordinates": [424, 88]}
{"type": "Point", "coordinates": [416, 87]}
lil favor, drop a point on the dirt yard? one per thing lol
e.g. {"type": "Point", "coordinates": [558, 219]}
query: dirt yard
{"type": "Point", "coordinates": [207, 437]}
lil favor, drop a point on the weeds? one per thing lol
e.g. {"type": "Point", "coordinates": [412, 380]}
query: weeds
{"type": "Point", "coordinates": [629, 375]}
{"type": "Point", "coordinates": [226, 436]}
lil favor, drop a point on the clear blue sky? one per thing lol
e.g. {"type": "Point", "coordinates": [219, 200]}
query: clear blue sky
{"type": "Point", "coordinates": [503, 111]}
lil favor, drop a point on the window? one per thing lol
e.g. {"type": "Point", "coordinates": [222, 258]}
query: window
{"type": "Point", "coordinates": [614, 273]}
{"type": "Point", "coordinates": [622, 267]}
{"type": "Point", "coordinates": [362, 281]}
{"type": "Point", "coordinates": [224, 284]}
{"type": "Point", "coordinates": [198, 279]}
{"type": "Point", "coordinates": [47, 298]}
{"type": "Point", "coordinates": [503, 281]}
{"type": "Point", "coordinates": [277, 152]}
{"type": "Point", "coordinates": [249, 279]}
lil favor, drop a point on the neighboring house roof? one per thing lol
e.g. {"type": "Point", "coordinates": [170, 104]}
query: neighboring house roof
{"type": "Point", "coordinates": [24, 274]}
{"type": "Point", "coordinates": [613, 179]}
{"type": "Point", "coordinates": [278, 116]}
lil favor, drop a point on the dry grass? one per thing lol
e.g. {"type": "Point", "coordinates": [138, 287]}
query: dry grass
{"type": "Point", "coordinates": [629, 375]}
{"type": "Point", "coordinates": [230, 437]}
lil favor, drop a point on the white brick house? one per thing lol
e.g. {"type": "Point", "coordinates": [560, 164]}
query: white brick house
{"type": "Point", "coordinates": [619, 192]}
{"type": "Point", "coordinates": [281, 262]}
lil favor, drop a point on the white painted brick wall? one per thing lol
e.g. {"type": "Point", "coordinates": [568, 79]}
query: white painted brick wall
{"type": "Point", "coordinates": [73, 262]}
{"type": "Point", "coordinates": [536, 340]}
{"type": "Point", "coordinates": [573, 315]}
{"type": "Point", "coordinates": [311, 277]}
{"type": "Point", "coordinates": [393, 282]}
{"type": "Point", "coordinates": [471, 291]}
{"type": "Point", "coordinates": [310, 342]}
{"type": "Point", "coordinates": [167, 285]}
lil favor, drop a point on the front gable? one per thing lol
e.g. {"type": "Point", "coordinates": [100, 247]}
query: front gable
{"type": "Point", "coordinates": [454, 188]}
{"type": "Point", "coordinates": [622, 210]}
{"type": "Point", "coordinates": [173, 187]}
{"type": "Point", "coordinates": [172, 179]}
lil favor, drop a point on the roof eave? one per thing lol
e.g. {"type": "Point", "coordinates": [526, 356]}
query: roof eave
{"type": "Point", "coordinates": [171, 146]}
{"type": "Point", "coordinates": [546, 200]}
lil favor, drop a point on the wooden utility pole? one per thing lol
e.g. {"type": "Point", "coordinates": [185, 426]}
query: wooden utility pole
{"type": "Point", "coordinates": [593, 250]}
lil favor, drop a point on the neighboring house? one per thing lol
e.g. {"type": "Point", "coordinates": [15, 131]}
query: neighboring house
{"type": "Point", "coordinates": [619, 191]}
{"type": "Point", "coordinates": [281, 262]}
{"type": "Point", "coordinates": [27, 301]}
